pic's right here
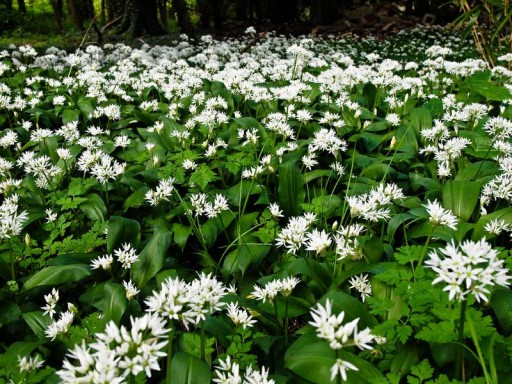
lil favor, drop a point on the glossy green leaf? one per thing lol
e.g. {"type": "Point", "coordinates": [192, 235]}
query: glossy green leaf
{"type": "Point", "coordinates": [136, 199]}
{"type": "Point", "coordinates": [188, 369]}
{"type": "Point", "coordinates": [404, 358]}
{"type": "Point", "coordinates": [461, 197]}
{"type": "Point", "coordinates": [151, 259]}
{"type": "Point", "coordinates": [312, 358]}
{"type": "Point", "coordinates": [181, 233]}
{"type": "Point", "coordinates": [291, 189]}
{"type": "Point", "coordinates": [38, 323]}
{"type": "Point", "coordinates": [122, 230]}
{"type": "Point", "coordinates": [504, 214]}
{"type": "Point", "coordinates": [501, 303]}
{"type": "Point", "coordinates": [114, 302]}
{"type": "Point", "coordinates": [56, 275]}
{"type": "Point", "coordinates": [94, 208]}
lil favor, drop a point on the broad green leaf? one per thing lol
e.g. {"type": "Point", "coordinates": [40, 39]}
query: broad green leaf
{"type": "Point", "coordinates": [122, 230]}
{"type": "Point", "coordinates": [501, 303]}
{"type": "Point", "coordinates": [38, 323]}
{"type": "Point", "coordinates": [352, 307]}
{"type": "Point", "coordinates": [188, 369]}
{"type": "Point", "coordinates": [487, 89]}
{"type": "Point", "coordinates": [9, 358]}
{"type": "Point", "coordinates": [56, 275]}
{"type": "Point", "coordinates": [315, 272]}
{"type": "Point", "coordinates": [181, 234]}
{"type": "Point", "coordinates": [151, 259]}
{"type": "Point", "coordinates": [291, 189]}
{"type": "Point", "coordinates": [244, 256]}
{"type": "Point", "coordinates": [69, 115]}
{"type": "Point", "coordinates": [461, 197]}
{"type": "Point", "coordinates": [136, 199]}
{"type": "Point", "coordinates": [312, 358]}
{"type": "Point", "coordinates": [404, 358]}
{"type": "Point", "coordinates": [421, 118]}
{"type": "Point", "coordinates": [94, 208]}
{"type": "Point", "coordinates": [114, 302]}
{"type": "Point", "coordinates": [477, 170]}
{"type": "Point", "coordinates": [214, 226]}
{"type": "Point", "coordinates": [504, 214]}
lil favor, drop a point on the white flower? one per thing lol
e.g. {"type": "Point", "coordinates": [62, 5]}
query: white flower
{"type": "Point", "coordinates": [361, 285]}
{"type": "Point", "coordinates": [318, 241]}
{"type": "Point", "coordinates": [331, 328]}
{"type": "Point", "coordinates": [471, 268]}
{"type": "Point", "coordinates": [341, 367]}
{"type": "Point", "coordinates": [51, 301]}
{"type": "Point", "coordinates": [127, 255]}
{"type": "Point", "coordinates": [131, 289]}
{"type": "Point", "coordinates": [27, 364]}
{"type": "Point", "coordinates": [239, 316]}
{"type": "Point", "coordinates": [275, 210]}
{"type": "Point", "coordinates": [50, 215]}
{"type": "Point", "coordinates": [440, 216]}
{"type": "Point", "coordinates": [104, 262]}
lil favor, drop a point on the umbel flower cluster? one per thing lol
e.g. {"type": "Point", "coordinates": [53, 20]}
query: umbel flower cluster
{"type": "Point", "coordinates": [472, 268]}
{"type": "Point", "coordinates": [330, 327]}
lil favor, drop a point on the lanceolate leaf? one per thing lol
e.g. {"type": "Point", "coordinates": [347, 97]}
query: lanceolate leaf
{"type": "Point", "coordinates": [461, 197]}
{"type": "Point", "coordinates": [114, 303]}
{"type": "Point", "coordinates": [56, 275]}
{"type": "Point", "coordinates": [291, 189]}
{"type": "Point", "coordinates": [151, 259]}
{"type": "Point", "coordinates": [122, 230]}
{"type": "Point", "coordinates": [188, 369]}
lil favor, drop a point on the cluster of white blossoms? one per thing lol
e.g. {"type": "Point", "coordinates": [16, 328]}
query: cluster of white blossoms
{"type": "Point", "coordinates": [240, 316]}
{"type": "Point", "coordinates": [117, 353]}
{"type": "Point", "coordinates": [12, 219]}
{"type": "Point", "coordinates": [374, 205]}
{"type": "Point", "coordinates": [472, 268]}
{"type": "Point", "coordinates": [62, 324]}
{"type": "Point", "coordinates": [330, 327]}
{"type": "Point", "coordinates": [271, 289]}
{"type": "Point", "coordinates": [346, 242]}
{"type": "Point", "coordinates": [294, 235]}
{"type": "Point", "coordinates": [440, 216]}
{"type": "Point", "coordinates": [101, 165]}
{"type": "Point", "coordinates": [228, 372]}
{"type": "Point", "coordinates": [362, 285]}
{"type": "Point", "coordinates": [500, 186]}
{"type": "Point", "coordinates": [162, 193]}
{"type": "Point", "coordinates": [201, 205]}
{"type": "Point", "coordinates": [126, 255]}
{"type": "Point", "coordinates": [189, 303]}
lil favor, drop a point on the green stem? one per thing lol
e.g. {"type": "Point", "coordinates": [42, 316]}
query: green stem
{"type": "Point", "coordinates": [13, 259]}
{"type": "Point", "coordinates": [169, 356]}
{"type": "Point", "coordinates": [203, 342]}
{"type": "Point", "coordinates": [425, 247]}
{"type": "Point", "coordinates": [460, 354]}
{"type": "Point", "coordinates": [286, 322]}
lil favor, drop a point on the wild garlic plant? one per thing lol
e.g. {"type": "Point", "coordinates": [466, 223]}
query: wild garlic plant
{"type": "Point", "coordinates": [191, 204]}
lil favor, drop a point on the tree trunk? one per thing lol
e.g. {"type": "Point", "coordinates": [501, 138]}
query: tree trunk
{"type": "Point", "coordinates": [283, 11]}
{"type": "Point", "coordinates": [76, 15]}
{"type": "Point", "coordinates": [114, 9]}
{"type": "Point", "coordinates": [162, 11]}
{"type": "Point", "coordinates": [22, 7]}
{"type": "Point", "coordinates": [180, 6]}
{"type": "Point", "coordinates": [57, 12]}
{"type": "Point", "coordinates": [140, 17]}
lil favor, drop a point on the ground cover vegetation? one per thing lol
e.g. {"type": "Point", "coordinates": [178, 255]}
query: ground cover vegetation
{"type": "Point", "coordinates": [294, 211]}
